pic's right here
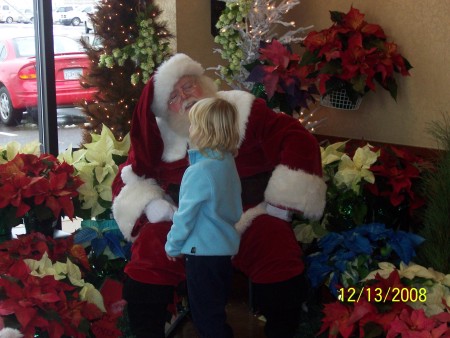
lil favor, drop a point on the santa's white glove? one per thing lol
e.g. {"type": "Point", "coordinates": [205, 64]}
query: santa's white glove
{"type": "Point", "coordinates": [283, 214]}
{"type": "Point", "coordinates": [159, 210]}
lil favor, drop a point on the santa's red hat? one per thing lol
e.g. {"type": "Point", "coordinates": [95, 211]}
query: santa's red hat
{"type": "Point", "coordinates": [167, 75]}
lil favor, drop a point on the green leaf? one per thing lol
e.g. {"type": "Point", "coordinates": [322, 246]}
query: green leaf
{"type": "Point", "coordinates": [336, 16]}
{"type": "Point", "coordinates": [309, 58]}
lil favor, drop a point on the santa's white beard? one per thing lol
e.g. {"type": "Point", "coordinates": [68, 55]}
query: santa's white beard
{"type": "Point", "coordinates": [179, 121]}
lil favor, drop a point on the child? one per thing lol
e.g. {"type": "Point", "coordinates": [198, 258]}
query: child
{"type": "Point", "coordinates": [209, 206]}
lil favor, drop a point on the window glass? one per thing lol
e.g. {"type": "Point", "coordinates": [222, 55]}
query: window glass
{"type": "Point", "coordinates": [18, 84]}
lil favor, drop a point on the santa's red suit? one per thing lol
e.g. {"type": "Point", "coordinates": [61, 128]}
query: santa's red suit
{"type": "Point", "coordinates": [279, 164]}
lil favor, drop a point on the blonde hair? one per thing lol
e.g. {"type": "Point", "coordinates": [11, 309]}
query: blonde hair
{"type": "Point", "coordinates": [214, 125]}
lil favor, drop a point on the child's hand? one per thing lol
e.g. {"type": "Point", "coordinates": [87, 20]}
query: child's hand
{"type": "Point", "coordinates": [173, 259]}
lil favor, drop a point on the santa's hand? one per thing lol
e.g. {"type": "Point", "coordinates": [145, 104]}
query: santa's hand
{"type": "Point", "coordinates": [159, 210]}
{"type": "Point", "coordinates": [283, 214]}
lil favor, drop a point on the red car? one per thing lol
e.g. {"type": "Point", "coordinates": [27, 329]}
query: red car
{"type": "Point", "coordinates": [18, 85]}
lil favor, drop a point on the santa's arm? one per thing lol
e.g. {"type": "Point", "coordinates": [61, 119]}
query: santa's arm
{"type": "Point", "coordinates": [131, 195]}
{"type": "Point", "coordinates": [296, 182]}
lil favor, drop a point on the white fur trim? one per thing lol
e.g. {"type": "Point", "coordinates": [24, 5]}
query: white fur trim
{"type": "Point", "coordinates": [175, 146]}
{"type": "Point", "coordinates": [297, 190]}
{"type": "Point", "coordinates": [8, 332]}
{"type": "Point", "coordinates": [248, 216]}
{"type": "Point", "coordinates": [167, 76]}
{"type": "Point", "coordinates": [243, 102]}
{"type": "Point", "coordinates": [129, 205]}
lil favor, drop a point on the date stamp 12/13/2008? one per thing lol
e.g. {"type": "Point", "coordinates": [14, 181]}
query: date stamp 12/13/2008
{"type": "Point", "coordinates": [379, 295]}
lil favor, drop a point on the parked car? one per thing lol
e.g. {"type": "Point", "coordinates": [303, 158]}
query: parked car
{"type": "Point", "coordinates": [27, 16]}
{"type": "Point", "coordinates": [8, 14]}
{"type": "Point", "coordinates": [76, 17]}
{"type": "Point", "coordinates": [58, 12]}
{"type": "Point", "coordinates": [18, 85]}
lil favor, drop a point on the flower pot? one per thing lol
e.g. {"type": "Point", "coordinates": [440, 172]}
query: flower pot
{"type": "Point", "coordinates": [339, 99]}
{"type": "Point", "coordinates": [33, 224]}
{"type": "Point", "coordinates": [5, 233]}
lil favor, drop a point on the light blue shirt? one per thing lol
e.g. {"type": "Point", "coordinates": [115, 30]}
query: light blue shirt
{"type": "Point", "coordinates": [209, 207]}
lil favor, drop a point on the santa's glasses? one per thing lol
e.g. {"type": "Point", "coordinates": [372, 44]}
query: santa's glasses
{"type": "Point", "coordinates": [187, 89]}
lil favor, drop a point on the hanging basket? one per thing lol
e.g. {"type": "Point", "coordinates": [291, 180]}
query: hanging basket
{"type": "Point", "coordinates": [339, 100]}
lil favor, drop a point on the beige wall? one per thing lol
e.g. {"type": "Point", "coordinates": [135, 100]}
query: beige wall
{"type": "Point", "coordinates": [420, 29]}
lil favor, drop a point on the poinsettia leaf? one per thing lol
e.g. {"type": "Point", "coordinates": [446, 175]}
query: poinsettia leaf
{"type": "Point", "coordinates": [84, 235]}
{"type": "Point", "coordinates": [336, 16]}
{"type": "Point", "coordinates": [99, 245]}
{"type": "Point", "coordinates": [257, 74]}
{"type": "Point", "coordinates": [309, 57]}
{"type": "Point", "coordinates": [114, 244]}
{"type": "Point", "coordinates": [373, 330]}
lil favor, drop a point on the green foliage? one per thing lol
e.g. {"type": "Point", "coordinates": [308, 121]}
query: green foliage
{"type": "Point", "coordinates": [435, 251]}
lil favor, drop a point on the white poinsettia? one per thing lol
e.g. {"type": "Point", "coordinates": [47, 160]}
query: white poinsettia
{"type": "Point", "coordinates": [12, 148]}
{"type": "Point", "coordinates": [96, 166]}
{"type": "Point", "coordinates": [45, 267]}
{"type": "Point", "coordinates": [434, 284]}
{"type": "Point", "coordinates": [332, 153]}
{"type": "Point", "coordinates": [352, 171]}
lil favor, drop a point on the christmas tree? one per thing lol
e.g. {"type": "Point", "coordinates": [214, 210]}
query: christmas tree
{"type": "Point", "coordinates": [133, 43]}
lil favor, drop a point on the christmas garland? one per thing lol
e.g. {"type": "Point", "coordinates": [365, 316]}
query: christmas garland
{"type": "Point", "coordinates": [147, 51]}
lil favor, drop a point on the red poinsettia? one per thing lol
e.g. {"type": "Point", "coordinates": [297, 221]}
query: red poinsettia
{"type": "Point", "coordinates": [37, 183]}
{"type": "Point", "coordinates": [283, 79]}
{"type": "Point", "coordinates": [43, 292]}
{"type": "Point", "coordinates": [395, 171]}
{"type": "Point", "coordinates": [353, 54]}
{"type": "Point", "coordinates": [415, 324]}
{"type": "Point", "coordinates": [375, 314]}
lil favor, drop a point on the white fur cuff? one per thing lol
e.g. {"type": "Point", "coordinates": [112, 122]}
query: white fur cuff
{"type": "Point", "coordinates": [248, 217]}
{"type": "Point", "coordinates": [297, 190]}
{"type": "Point", "coordinates": [129, 205]}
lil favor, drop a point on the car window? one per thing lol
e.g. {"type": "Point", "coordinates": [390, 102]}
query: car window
{"type": "Point", "coordinates": [64, 44]}
{"type": "Point", "coordinates": [2, 51]}
{"type": "Point", "coordinates": [25, 46]}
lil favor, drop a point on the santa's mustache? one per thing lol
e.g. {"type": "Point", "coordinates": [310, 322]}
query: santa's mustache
{"type": "Point", "coordinates": [187, 105]}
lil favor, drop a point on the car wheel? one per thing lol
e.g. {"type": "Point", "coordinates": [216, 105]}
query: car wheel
{"type": "Point", "coordinates": [8, 115]}
{"type": "Point", "coordinates": [76, 22]}
{"type": "Point", "coordinates": [9, 20]}
{"type": "Point", "coordinates": [33, 112]}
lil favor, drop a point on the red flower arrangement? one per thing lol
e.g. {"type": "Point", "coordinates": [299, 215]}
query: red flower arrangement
{"type": "Point", "coordinates": [42, 291]}
{"type": "Point", "coordinates": [352, 54]}
{"type": "Point", "coordinates": [395, 171]}
{"type": "Point", "coordinates": [280, 79]}
{"type": "Point", "coordinates": [40, 185]}
{"type": "Point", "coordinates": [386, 317]}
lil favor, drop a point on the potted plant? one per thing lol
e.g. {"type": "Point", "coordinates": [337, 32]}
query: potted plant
{"type": "Point", "coordinates": [97, 164]}
{"type": "Point", "coordinates": [279, 79]}
{"type": "Point", "coordinates": [49, 289]}
{"type": "Point", "coordinates": [352, 56]}
{"type": "Point", "coordinates": [37, 188]}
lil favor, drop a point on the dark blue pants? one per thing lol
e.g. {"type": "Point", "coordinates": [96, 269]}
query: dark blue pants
{"type": "Point", "coordinates": [281, 305]}
{"type": "Point", "coordinates": [208, 283]}
{"type": "Point", "coordinates": [147, 307]}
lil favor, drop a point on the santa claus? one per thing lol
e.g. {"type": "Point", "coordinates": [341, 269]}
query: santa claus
{"type": "Point", "coordinates": [280, 169]}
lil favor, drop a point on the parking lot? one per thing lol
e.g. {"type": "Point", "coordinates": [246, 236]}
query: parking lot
{"type": "Point", "coordinates": [69, 119]}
